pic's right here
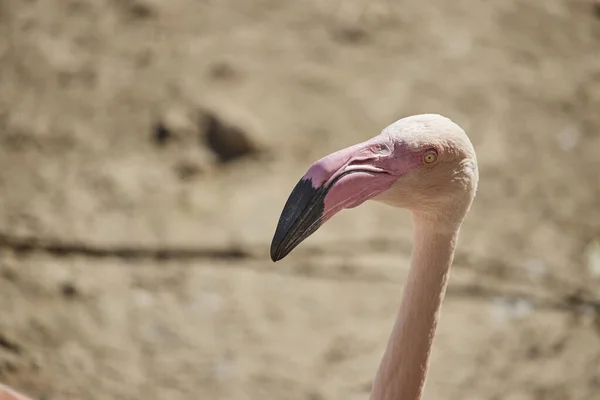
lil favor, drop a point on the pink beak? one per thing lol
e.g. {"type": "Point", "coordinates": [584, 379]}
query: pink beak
{"type": "Point", "coordinates": [344, 179]}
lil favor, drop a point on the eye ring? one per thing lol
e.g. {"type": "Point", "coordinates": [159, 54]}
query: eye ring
{"type": "Point", "coordinates": [430, 156]}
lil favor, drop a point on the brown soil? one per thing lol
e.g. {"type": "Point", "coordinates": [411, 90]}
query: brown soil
{"type": "Point", "coordinates": [147, 148]}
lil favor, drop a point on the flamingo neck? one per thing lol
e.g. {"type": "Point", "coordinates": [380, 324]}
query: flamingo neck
{"type": "Point", "coordinates": [403, 369]}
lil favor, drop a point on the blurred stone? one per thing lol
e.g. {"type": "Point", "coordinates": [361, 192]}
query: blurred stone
{"type": "Point", "coordinates": [575, 299]}
{"type": "Point", "coordinates": [228, 142]}
{"type": "Point", "coordinates": [139, 9]}
{"type": "Point", "coordinates": [337, 353]}
{"type": "Point", "coordinates": [69, 290]}
{"type": "Point", "coordinates": [161, 134]}
{"type": "Point", "coordinates": [222, 71]}
{"type": "Point", "coordinates": [351, 34]}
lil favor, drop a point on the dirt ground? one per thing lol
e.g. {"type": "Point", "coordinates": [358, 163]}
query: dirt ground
{"type": "Point", "coordinates": [134, 260]}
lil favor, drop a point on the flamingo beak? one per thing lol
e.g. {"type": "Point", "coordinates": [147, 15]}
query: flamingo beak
{"type": "Point", "coordinates": [344, 179]}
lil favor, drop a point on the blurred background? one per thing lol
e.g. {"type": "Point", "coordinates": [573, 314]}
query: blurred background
{"type": "Point", "coordinates": [147, 148]}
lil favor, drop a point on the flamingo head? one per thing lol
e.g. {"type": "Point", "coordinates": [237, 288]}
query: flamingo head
{"type": "Point", "coordinates": [424, 163]}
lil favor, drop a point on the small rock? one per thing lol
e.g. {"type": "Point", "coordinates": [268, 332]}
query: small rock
{"type": "Point", "coordinates": [141, 11]}
{"type": "Point", "coordinates": [161, 134]}
{"type": "Point", "coordinates": [69, 290]}
{"type": "Point", "coordinates": [351, 34]}
{"type": "Point", "coordinates": [228, 142]}
{"type": "Point", "coordinates": [138, 9]}
{"type": "Point", "coordinates": [338, 351]}
{"type": "Point", "coordinates": [222, 71]}
{"type": "Point", "coordinates": [575, 300]}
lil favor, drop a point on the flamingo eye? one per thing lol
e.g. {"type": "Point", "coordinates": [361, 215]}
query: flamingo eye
{"type": "Point", "coordinates": [430, 157]}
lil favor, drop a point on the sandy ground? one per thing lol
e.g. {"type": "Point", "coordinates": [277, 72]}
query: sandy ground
{"type": "Point", "coordinates": [134, 261]}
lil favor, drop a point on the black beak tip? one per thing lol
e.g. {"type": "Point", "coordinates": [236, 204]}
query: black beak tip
{"type": "Point", "coordinates": [275, 254]}
{"type": "Point", "coordinates": [297, 221]}
{"type": "Point", "coordinates": [276, 247]}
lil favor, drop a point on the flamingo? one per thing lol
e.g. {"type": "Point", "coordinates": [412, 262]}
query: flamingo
{"type": "Point", "coordinates": [427, 165]}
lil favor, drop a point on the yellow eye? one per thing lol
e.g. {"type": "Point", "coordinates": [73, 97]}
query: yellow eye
{"type": "Point", "coordinates": [430, 157]}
